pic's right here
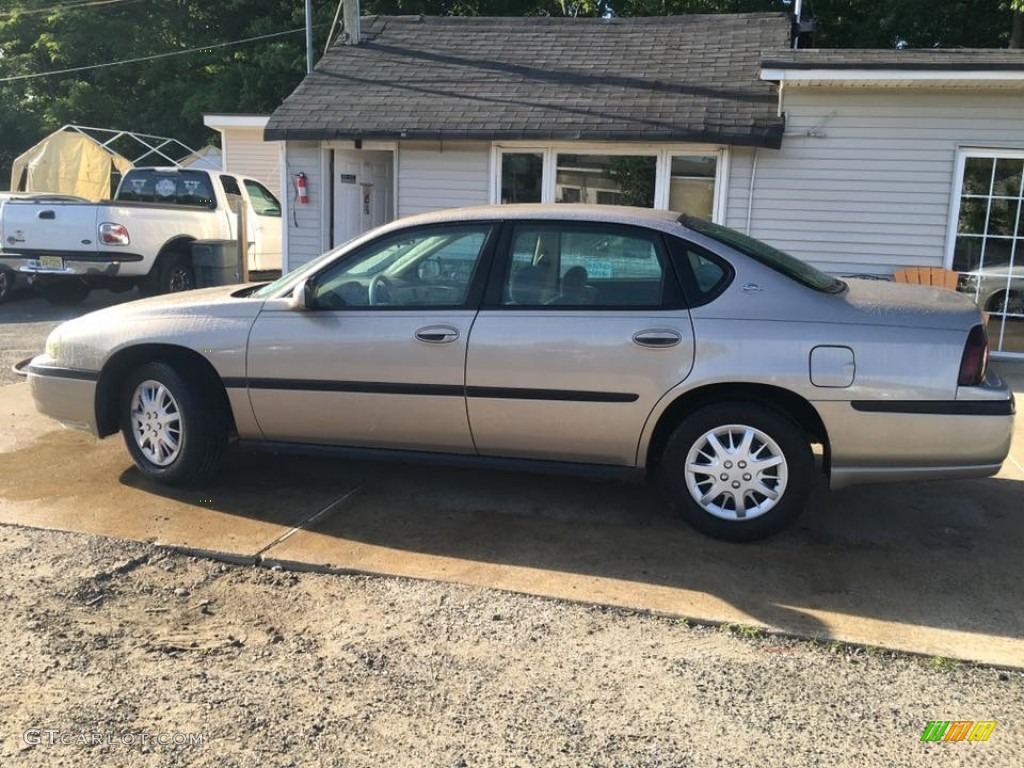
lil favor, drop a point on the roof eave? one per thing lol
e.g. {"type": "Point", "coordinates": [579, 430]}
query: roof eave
{"type": "Point", "coordinates": [768, 137]}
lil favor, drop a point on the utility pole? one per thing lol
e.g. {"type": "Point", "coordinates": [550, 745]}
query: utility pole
{"type": "Point", "coordinates": [309, 36]}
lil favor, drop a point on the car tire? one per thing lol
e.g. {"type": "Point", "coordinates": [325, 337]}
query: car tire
{"type": "Point", "coordinates": [6, 284]}
{"type": "Point", "coordinates": [172, 273]}
{"type": "Point", "coordinates": [174, 428]}
{"type": "Point", "coordinates": [723, 465]}
{"type": "Point", "coordinates": [66, 293]}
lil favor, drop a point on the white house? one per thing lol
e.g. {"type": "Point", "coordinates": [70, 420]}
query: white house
{"type": "Point", "coordinates": [243, 150]}
{"type": "Point", "coordinates": [859, 161]}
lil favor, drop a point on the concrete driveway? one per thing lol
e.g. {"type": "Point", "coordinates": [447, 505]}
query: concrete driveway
{"type": "Point", "coordinates": [928, 568]}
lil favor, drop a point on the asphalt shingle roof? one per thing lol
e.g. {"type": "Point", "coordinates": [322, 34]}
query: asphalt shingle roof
{"type": "Point", "coordinates": [931, 59]}
{"type": "Point", "coordinates": [677, 78]}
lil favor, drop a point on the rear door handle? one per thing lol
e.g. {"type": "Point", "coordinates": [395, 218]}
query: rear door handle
{"type": "Point", "coordinates": [437, 334]}
{"type": "Point", "coordinates": [47, 215]}
{"type": "Point", "coordinates": [657, 337]}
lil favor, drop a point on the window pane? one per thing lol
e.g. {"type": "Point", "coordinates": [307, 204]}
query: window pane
{"type": "Point", "coordinates": [428, 268]}
{"type": "Point", "coordinates": [1007, 178]}
{"type": "Point", "coordinates": [263, 201]}
{"type": "Point", "coordinates": [606, 179]}
{"type": "Point", "coordinates": [584, 266]}
{"type": "Point", "coordinates": [521, 175]}
{"type": "Point", "coordinates": [978, 175]}
{"type": "Point", "coordinates": [973, 213]}
{"type": "Point", "coordinates": [967, 254]}
{"type": "Point", "coordinates": [1002, 217]}
{"type": "Point", "coordinates": [692, 186]}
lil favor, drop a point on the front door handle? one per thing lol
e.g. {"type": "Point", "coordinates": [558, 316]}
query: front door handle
{"type": "Point", "coordinates": [437, 334]}
{"type": "Point", "coordinates": [657, 337]}
{"type": "Point", "coordinates": [47, 215]}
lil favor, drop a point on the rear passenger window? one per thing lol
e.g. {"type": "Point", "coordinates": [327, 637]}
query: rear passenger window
{"type": "Point", "coordinates": [584, 266]}
{"type": "Point", "coordinates": [704, 275]}
{"type": "Point", "coordinates": [177, 187]}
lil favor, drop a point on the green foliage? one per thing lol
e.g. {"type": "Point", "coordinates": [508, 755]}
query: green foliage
{"type": "Point", "coordinates": [168, 96]}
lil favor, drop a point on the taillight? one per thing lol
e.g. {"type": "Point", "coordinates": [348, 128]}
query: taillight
{"type": "Point", "coordinates": [974, 362]}
{"type": "Point", "coordinates": [114, 234]}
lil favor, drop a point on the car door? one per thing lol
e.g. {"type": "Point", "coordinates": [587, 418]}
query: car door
{"type": "Point", "coordinates": [583, 329]}
{"type": "Point", "coordinates": [380, 361]}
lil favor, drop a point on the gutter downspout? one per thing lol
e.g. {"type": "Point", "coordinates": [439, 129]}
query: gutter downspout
{"type": "Point", "coordinates": [750, 194]}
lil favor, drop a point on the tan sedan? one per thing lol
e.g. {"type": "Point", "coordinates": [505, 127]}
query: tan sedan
{"type": "Point", "coordinates": [589, 339]}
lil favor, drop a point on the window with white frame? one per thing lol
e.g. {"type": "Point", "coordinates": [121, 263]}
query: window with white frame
{"type": "Point", "coordinates": [679, 179]}
{"type": "Point", "coordinates": [988, 245]}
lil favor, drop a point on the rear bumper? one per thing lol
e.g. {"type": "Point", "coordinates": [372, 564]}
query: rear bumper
{"type": "Point", "coordinates": [65, 394]}
{"type": "Point", "coordinates": [885, 441]}
{"type": "Point", "coordinates": [74, 264]}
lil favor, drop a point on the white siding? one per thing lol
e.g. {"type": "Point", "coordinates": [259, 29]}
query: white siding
{"type": "Point", "coordinates": [872, 192]}
{"type": "Point", "coordinates": [305, 223]}
{"type": "Point", "coordinates": [433, 176]}
{"type": "Point", "coordinates": [247, 154]}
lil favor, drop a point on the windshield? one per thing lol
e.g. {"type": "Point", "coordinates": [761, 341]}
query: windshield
{"type": "Point", "coordinates": [763, 253]}
{"type": "Point", "coordinates": [296, 274]}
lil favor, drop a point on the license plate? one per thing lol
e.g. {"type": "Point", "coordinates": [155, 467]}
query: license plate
{"type": "Point", "coordinates": [51, 262]}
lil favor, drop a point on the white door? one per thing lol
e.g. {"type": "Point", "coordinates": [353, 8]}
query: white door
{"type": "Point", "coordinates": [362, 192]}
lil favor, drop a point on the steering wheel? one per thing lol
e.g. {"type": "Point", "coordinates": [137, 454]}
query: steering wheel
{"type": "Point", "coordinates": [379, 290]}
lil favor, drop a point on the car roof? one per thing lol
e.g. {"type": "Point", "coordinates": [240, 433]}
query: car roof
{"type": "Point", "coordinates": [560, 211]}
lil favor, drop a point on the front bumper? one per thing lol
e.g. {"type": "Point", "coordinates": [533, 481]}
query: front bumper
{"type": "Point", "coordinates": [65, 394]}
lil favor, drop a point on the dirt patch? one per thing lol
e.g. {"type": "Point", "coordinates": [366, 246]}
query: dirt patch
{"type": "Point", "coordinates": [106, 640]}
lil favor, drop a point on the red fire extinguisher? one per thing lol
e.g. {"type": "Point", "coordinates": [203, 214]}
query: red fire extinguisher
{"type": "Point", "coordinates": [302, 189]}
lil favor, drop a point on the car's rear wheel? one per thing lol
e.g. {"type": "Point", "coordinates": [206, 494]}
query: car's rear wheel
{"type": "Point", "coordinates": [175, 429]}
{"type": "Point", "coordinates": [739, 472]}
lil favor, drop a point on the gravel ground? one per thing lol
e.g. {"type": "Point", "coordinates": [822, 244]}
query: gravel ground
{"type": "Point", "coordinates": [106, 640]}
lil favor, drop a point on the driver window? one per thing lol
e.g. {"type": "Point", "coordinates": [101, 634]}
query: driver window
{"type": "Point", "coordinates": [427, 267]}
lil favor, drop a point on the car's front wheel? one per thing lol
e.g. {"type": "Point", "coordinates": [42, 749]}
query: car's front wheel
{"type": "Point", "coordinates": [739, 472]}
{"type": "Point", "coordinates": [175, 429]}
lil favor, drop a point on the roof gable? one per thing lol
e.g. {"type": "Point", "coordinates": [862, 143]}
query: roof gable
{"type": "Point", "coordinates": [677, 78]}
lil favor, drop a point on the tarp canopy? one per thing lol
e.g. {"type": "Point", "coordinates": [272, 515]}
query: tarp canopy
{"type": "Point", "coordinates": [69, 163]}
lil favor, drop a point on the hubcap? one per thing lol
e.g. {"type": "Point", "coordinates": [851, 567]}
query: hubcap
{"type": "Point", "coordinates": [156, 423]}
{"type": "Point", "coordinates": [736, 472]}
{"type": "Point", "coordinates": [179, 280]}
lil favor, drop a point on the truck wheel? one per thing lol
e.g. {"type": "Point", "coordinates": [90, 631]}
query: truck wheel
{"type": "Point", "coordinates": [6, 285]}
{"type": "Point", "coordinates": [174, 427]}
{"type": "Point", "coordinates": [65, 292]}
{"type": "Point", "coordinates": [171, 273]}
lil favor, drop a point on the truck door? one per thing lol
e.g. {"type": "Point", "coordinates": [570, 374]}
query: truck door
{"type": "Point", "coordinates": [265, 224]}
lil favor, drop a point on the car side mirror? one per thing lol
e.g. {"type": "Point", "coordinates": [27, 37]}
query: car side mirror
{"type": "Point", "coordinates": [304, 295]}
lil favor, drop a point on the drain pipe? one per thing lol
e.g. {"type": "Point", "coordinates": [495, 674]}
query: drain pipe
{"type": "Point", "coordinates": [750, 195]}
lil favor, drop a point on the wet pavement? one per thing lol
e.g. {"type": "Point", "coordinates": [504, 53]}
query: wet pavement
{"type": "Point", "coordinates": [932, 568]}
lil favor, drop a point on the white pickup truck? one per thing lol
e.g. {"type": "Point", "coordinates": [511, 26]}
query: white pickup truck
{"type": "Point", "coordinates": [141, 238]}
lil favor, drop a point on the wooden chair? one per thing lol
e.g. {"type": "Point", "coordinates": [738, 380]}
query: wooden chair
{"type": "Point", "coordinates": [934, 276]}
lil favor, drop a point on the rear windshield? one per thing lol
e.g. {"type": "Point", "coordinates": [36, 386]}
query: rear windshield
{"type": "Point", "coordinates": [149, 185]}
{"type": "Point", "coordinates": [771, 257]}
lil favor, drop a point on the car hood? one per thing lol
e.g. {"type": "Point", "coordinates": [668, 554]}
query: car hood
{"type": "Point", "coordinates": [205, 302]}
{"type": "Point", "coordinates": [880, 302]}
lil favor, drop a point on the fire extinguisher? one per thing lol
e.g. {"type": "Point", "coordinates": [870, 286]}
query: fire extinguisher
{"type": "Point", "coordinates": [302, 190]}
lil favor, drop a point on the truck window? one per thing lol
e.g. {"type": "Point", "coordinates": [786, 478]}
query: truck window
{"type": "Point", "coordinates": [171, 187]}
{"type": "Point", "coordinates": [232, 192]}
{"type": "Point", "coordinates": [263, 201]}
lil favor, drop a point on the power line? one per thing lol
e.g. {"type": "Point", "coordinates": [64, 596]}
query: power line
{"type": "Point", "coordinates": [149, 58]}
{"type": "Point", "coordinates": [73, 4]}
